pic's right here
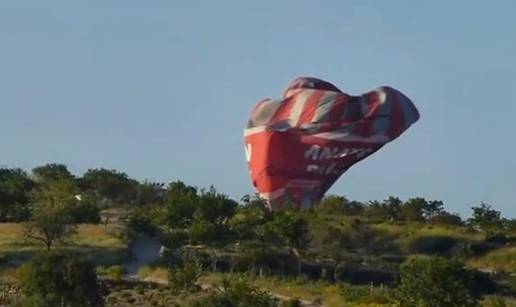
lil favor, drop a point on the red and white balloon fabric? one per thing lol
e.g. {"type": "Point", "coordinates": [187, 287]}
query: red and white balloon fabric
{"type": "Point", "coordinates": [298, 146]}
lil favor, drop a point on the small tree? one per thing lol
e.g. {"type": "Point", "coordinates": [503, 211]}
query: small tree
{"type": "Point", "coordinates": [486, 218]}
{"type": "Point", "coordinates": [412, 209]}
{"type": "Point", "coordinates": [51, 172]}
{"type": "Point", "coordinates": [183, 277]}
{"type": "Point", "coordinates": [201, 231]}
{"type": "Point", "coordinates": [334, 204]}
{"type": "Point", "coordinates": [110, 184]}
{"type": "Point", "coordinates": [15, 186]}
{"type": "Point", "coordinates": [52, 216]}
{"type": "Point", "coordinates": [55, 279]}
{"type": "Point", "coordinates": [435, 281]}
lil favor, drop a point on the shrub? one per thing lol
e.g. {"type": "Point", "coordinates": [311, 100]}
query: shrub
{"type": "Point", "coordinates": [237, 292]}
{"type": "Point", "coordinates": [435, 281]}
{"type": "Point", "coordinates": [58, 279]}
{"type": "Point", "coordinates": [183, 278]}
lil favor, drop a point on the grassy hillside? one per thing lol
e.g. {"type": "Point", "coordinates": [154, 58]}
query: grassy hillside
{"type": "Point", "coordinates": [95, 242]}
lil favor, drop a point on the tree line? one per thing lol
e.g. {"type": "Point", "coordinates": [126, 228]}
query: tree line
{"type": "Point", "coordinates": [51, 200]}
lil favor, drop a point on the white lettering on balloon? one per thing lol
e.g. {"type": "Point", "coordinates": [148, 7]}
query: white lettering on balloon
{"type": "Point", "coordinates": [248, 152]}
{"type": "Point", "coordinates": [325, 158]}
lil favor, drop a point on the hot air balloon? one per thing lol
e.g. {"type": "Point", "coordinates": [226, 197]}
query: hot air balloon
{"type": "Point", "coordinates": [298, 146]}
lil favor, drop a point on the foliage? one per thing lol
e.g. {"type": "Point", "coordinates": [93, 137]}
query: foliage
{"type": "Point", "coordinates": [86, 209]}
{"type": "Point", "coordinates": [237, 292]}
{"type": "Point", "coordinates": [148, 193]}
{"type": "Point", "coordinates": [435, 281]}
{"type": "Point", "coordinates": [15, 187]}
{"type": "Point", "coordinates": [201, 231]}
{"type": "Point", "coordinates": [55, 279]}
{"type": "Point", "coordinates": [290, 228]}
{"type": "Point", "coordinates": [52, 217]}
{"type": "Point", "coordinates": [336, 204]}
{"type": "Point", "coordinates": [52, 172]}
{"type": "Point", "coordinates": [110, 184]}
{"type": "Point", "coordinates": [183, 277]}
{"type": "Point", "coordinates": [142, 220]}
{"type": "Point", "coordinates": [486, 218]}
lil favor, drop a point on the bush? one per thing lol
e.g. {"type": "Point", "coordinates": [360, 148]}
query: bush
{"type": "Point", "coordinates": [183, 278]}
{"type": "Point", "coordinates": [435, 281]}
{"type": "Point", "coordinates": [58, 279]}
{"type": "Point", "coordinates": [237, 292]}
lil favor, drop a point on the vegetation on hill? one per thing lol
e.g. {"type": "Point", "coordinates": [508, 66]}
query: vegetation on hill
{"type": "Point", "coordinates": [340, 250]}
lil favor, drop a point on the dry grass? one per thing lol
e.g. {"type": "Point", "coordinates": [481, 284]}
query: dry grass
{"type": "Point", "coordinates": [96, 236]}
{"type": "Point", "coordinates": [93, 241]}
{"type": "Point", "coordinates": [330, 295]}
{"type": "Point", "coordinates": [156, 274]}
{"type": "Point", "coordinates": [421, 230]}
{"type": "Point", "coordinates": [502, 259]}
{"type": "Point", "coordinates": [11, 237]}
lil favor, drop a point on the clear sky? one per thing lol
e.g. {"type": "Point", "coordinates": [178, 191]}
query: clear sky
{"type": "Point", "coordinates": [162, 89]}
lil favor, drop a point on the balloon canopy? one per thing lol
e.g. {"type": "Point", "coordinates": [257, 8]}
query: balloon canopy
{"type": "Point", "coordinates": [298, 146]}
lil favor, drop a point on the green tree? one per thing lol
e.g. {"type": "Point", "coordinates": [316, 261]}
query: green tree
{"type": "Point", "coordinates": [245, 222]}
{"type": "Point", "coordinates": [52, 216]}
{"type": "Point", "coordinates": [256, 239]}
{"type": "Point", "coordinates": [413, 209]}
{"type": "Point", "coordinates": [15, 187]}
{"type": "Point", "coordinates": [291, 228]}
{"type": "Point", "coordinates": [435, 282]}
{"type": "Point", "coordinates": [110, 184]}
{"type": "Point", "coordinates": [216, 207]}
{"type": "Point", "coordinates": [86, 209]}
{"type": "Point", "coordinates": [389, 209]}
{"type": "Point", "coordinates": [201, 231]}
{"type": "Point", "coordinates": [51, 172]}
{"type": "Point", "coordinates": [148, 193]}
{"type": "Point", "coordinates": [334, 204]}
{"type": "Point", "coordinates": [486, 218]}
{"type": "Point", "coordinates": [180, 203]}
{"type": "Point", "coordinates": [56, 279]}
{"type": "Point", "coordinates": [433, 208]}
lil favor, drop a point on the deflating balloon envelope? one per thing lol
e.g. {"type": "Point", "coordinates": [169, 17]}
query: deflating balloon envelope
{"type": "Point", "coordinates": [299, 145]}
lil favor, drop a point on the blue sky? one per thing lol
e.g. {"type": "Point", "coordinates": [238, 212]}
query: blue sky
{"type": "Point", "coordinates": [162, 89]}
